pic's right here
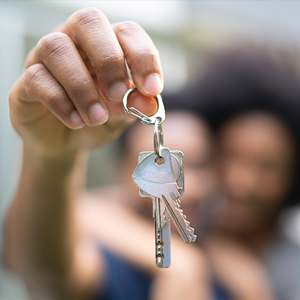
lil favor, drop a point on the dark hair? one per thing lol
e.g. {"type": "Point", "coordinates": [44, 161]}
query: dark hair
{"type": "Point", "coordinates": [244, 80]}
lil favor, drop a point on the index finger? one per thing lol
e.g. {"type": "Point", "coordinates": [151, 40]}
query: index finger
{"type": "Point", "coordinates": [142, 57]}
{"type": "Point", "coordinates": [108, 47]}
{"type": "Point", "coordinates": [91, 31]}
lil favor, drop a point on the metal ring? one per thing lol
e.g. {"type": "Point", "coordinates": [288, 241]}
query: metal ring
{"type": "Point", "coordinates": [148, 120]}
{"type": "Point", "coordinates": [158, 137]}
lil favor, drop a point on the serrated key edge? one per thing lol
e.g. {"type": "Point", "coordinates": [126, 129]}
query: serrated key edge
{"type": "Point", "coordinates": [192, 237]}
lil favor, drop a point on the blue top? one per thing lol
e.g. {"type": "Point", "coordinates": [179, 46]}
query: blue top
{"type": "Point", "coordinates": [125, 282]}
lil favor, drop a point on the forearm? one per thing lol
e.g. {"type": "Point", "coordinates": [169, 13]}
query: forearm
{"type": "Point", "coordinates": [40, 227]}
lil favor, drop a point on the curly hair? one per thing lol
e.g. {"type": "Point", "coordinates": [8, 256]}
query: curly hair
{"type": "Point", "coordinates": [242, 81]}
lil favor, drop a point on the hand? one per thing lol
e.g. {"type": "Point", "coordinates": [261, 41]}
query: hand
{"type": "Point", "coordinates": [77, 76]}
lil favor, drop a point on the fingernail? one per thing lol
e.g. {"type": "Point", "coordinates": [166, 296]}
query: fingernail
{"type": "Point", "coordinates": [97, 114]}
{"type": "Point", "coordinates": [153, 85]}
{"type": "Point", "coordinates": [76, 120]}
{"type": "Point", "coordinates": [117, 91]}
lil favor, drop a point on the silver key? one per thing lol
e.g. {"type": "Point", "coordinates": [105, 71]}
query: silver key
{"type": "Point", "coordinates": [162, 235]}
{"type": "Point", "coordinates": [177, 167]}
{"type": "Point", "coordinates": [161, 215]}
{"type": "Point", "coordinates": [159, 181]}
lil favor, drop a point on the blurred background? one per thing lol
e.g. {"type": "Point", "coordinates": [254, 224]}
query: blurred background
{"type": "Point", "coordinates": [186, 33]}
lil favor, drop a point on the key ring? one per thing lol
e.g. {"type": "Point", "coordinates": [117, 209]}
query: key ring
{"type": "Point", "coordinates": [158, 137]}
{"type": "Point", "coordinates": [148, 120]}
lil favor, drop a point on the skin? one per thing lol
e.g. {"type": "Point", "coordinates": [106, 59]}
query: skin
{"type": "Point", "coordinates": [256, 157]}
{"type": "Point", "coordinates": [65, 102]}
{"type": "Point", "coordinates": [256, 153]}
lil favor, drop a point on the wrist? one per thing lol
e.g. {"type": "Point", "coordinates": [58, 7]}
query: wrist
{"type": "Point", "coordinates": [59, 162]}
{"type": "Point", "coordinates": [62, 155]}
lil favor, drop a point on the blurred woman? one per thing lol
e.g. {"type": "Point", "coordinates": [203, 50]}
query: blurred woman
{"type": "Point", "coordinates": [251, 102]}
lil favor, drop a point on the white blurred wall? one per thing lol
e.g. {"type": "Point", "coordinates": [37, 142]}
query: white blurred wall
{"type": "Point", "coordinates": [181, 30]}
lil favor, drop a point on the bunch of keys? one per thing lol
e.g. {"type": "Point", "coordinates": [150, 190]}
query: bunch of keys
{"type": "Point", "coordinates": [159, 175]}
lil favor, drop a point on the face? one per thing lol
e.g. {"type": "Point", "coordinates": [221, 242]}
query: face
{"type": "Point", "coordinates": [185, 132]}
{"type": "Point", "coordinates": [255, 160]}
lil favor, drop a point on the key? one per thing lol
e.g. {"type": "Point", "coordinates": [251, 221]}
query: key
{"type": "Point", "coordinates": [177, 166]}
{"type": "Point", "coordinates": [160, 214]}
{"type": "Point", "coordinates": [162, 235]}
{"type": "Point", "coordinates": [157, 179]}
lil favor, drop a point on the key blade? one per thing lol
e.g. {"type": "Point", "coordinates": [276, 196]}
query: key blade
{"type": "Point", "coordinates": [162, 235]}
{"type": "Point", "coordinates": [163, 191]}
{"type": "Point", "coordinates": [182, 225]}
{"type": "Point", "coordinates": [164, 214]}
{"type": "Point", "coordinates": [166, 234]}
{"type": "Point", "coordinates": [159, 211]}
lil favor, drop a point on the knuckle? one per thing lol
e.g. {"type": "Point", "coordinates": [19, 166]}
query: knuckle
{"type": "Point", "coordinates": [127, 28]}
{"type": "Point", "coordinates": [84, 89]}
{"type": "Point", "coordinates": [53, 43]}
{"type": "Point", "coordinates": [109, 60]}
{"type": "Point", "coordinates": [32, 77]}
{"type": "Point", "coordinates": [87, 17]}
{"type": "Point", "coordinates": [151, 55]}
{"type": "Point", "coordinates": [55, 99]}
{"type": "Point", "coordinates": [33, 83]}
{"type": "Point", "coordinates": [80, 87]}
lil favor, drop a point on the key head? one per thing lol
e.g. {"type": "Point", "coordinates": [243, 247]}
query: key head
{"type": "Point", "coordinates": [177, 160]}
{"type": "Point", "coordinates": [156, 178]}
{"type": "Point", "coordinates": [151, 170]}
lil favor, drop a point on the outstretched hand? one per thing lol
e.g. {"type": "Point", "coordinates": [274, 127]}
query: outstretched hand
{"type": "Point", "coordinates": [75, 78]}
